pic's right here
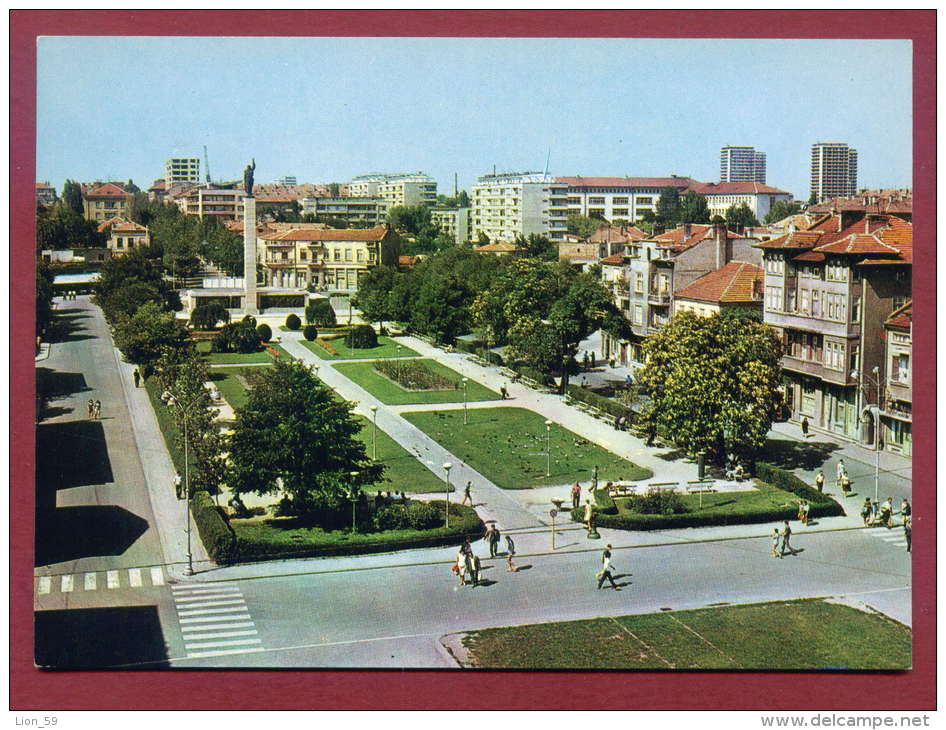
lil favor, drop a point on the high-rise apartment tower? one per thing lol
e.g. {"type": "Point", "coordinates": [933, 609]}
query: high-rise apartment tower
{"type": "Point", "coordinates": [833, 170]}
{"type": "Point", "coordinates": [741, 164]}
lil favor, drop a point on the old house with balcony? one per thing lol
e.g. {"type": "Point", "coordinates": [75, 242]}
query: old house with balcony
{"type": "Point", "coordinates": [101, 202]}
{"type": "Point", "coordinates": [124, 235]}
{"type": "Point", "coordinates": [828, 293]}
{"type": "Point", "coordinates": [737, 285]}
{"type": "Point", "coordinates": [325, 258]}
{"type": "Point", "coordinates": [653, 270]}
{"type": "Point", "coordinates": [896, 415]}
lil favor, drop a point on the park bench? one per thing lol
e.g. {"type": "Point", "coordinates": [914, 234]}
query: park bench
{"type": "Point", "coordinates": [621, 490]}
{"type": "Point", "coordinates": [508, 373]}
{"type": "Point", "coordinates": [663, 486]}
{"type": "Point", "coordinates": [698, 485]}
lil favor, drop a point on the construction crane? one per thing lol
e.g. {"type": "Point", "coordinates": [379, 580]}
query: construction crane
{"type": "Point", "coordinates": [207, 164]}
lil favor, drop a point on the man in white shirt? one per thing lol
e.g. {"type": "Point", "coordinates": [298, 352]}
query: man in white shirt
{"type": "Point", "coordinates": [606, 569]}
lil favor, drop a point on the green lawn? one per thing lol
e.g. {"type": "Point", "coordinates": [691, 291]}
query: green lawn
{"type": "Point", "coordinates": [229, 358]}
{"type": "Point", "coordinates": [784, 635]}
{"type": "Point", "coordinates": [386, 348]}
{"type": "Point", "coordinates": [387, 391]}
{"type": "Point", "coordinates": [229, 384]}
{"type": "Point", "coordinates": [508, 447]}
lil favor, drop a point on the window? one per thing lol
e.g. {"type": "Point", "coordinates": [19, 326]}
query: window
{"type": "Point", "coordinates": [774, 265]}
{"type": "Point", "coordinates": [119, 243]}
{"type": "Point", "coordinates": [900, 368]}
{"type": "Point", "coordinates": [834, 355]}
{"type": "Point", "coordinates": [804, 304]}
{"type": "Point", "coordinates": [773, 298]}
{"type": "Point", "coordinates": [619, 201]}
{"type": "Point", "coordinates": [348, 254]}
{"type": "Point", "coordinates": [361, 254]}
{"type": "Point", "coordinates": [898, 302]}
{"type": "Point", "coordinates": [855, 357]}
{"type": "Point", "coordinates": [595, 201]}
{"type": "Point", "coordinates": [645, 201]}
{"type": "Point", "coordinates": [336, 254]}
{"type": "Point", "coordinates": [638, 314]}
{"type": "Point", "coordinates": [303, 256]}
{"type": "Point", "coordinates": [639, 283]}
{"type": "Point", "coordinates": [836, 271]}
{"type": "Point", "coordinates": [620, 211]}
{"type": "Point", "coordinates": [816, 303]}
{"type": "Point", "coordinates": [855, 309]}
{"type": "Point", "coordinates": [808, 393]}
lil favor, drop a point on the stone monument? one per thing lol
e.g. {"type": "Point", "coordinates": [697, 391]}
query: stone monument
{"type": "Point", "coordinates": [249, 243]}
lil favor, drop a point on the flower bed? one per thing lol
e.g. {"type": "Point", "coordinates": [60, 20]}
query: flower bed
{"type": "Point", "coordinates": [414, 375]}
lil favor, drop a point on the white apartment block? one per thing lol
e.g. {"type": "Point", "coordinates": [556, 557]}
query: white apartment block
{"type": "Point", "coordinates": [833, 170]}
{"type": "Point", "coordinates": [625, 198]}
{"type": "Point", "coordinates": [181, 170]}
{"type": "Point", "coordinates": [396, 188]}
{"type": "Point", "coordinates": [759, 198]}
{"type": "Point", "coordinates": [741, 164]}
{"type": "Point", "coordinates": [519, 203]}
{"type": "Point", "coordinates": [362, 212]}
{"type": "Point", "coordinates": [454, 222]}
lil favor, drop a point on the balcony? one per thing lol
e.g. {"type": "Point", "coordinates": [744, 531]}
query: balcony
{"type": "Point", "coordinates": [659, 299]}
{"type": "Point", "coordinates": [816, 369]}
{"type": "Point", "coordinates": [801, 321]}
{"type": "Point", "coordinates": [900, 390]}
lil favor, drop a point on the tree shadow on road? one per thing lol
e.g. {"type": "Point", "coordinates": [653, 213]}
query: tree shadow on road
{"type": "Point", "coordinates": [71, 533]}
{"type": "Point", "coordinates": [67, 326]}
{"type": "Point", "coordinates": [70, 454]}
{"type": "Point", "coordinates": [86, 638]}
{"type": "Point", "coordinates": [808, 455]}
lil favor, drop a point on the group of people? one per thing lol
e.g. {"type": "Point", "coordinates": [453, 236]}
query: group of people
{"type": "Point", "coordinates": [467, 566]}
{"type": "Point", "coordinates": [875, 512]}
{"type": "Point", "coordinates": [781, 541]}
{"type": "Point", "coordinates": [803, 511]}
{"type": "Point", "coordinates": [95, 409]}
{"type": "Point", "coordinates": [70, 295]}
{"type": "Point", "coordinates": [388, 498]}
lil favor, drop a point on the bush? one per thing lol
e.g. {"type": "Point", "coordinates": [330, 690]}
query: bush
{"type": "Point", "coordinates": [214, 529]}
{"type": "Point", "coordinates": [293, 322]}
{"type": "Point", "coordinates": [206, 316]}
{"type": "Point", "coordinates": [533, 374]}
{"type": "Point", "coordinates": [265, 332]}
{"type": "Point", "coordinates": [249, 320]}
{"type": "Point", "coordinates": [604, 503]}
{"type": "Point", "coordinates": [409, 516]}
{"type": "Point", "coordinates": [236, 337]}
{"type": "Point", "coordinates": [790, 483]}
{"type": "Point", "coordinates": [491, 357]}
{"type": "Point", "coordinates": [609, 406]}
{"type": "Point", "coordinates": [320, 313]}
{"type": "Point", "coordinates": [310, 332]}
{"type": "Point", "coordinates": [362, 337]}
{"type": "Point", "coordinates": [657, 502]}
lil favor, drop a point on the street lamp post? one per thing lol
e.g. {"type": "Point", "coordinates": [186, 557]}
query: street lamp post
{"type": "Point", "coordinates": [878, 383]}
{"type": "Point", "coordinates": [353, 496]}
{"type": "Point", "coordinates": [446, 468]}
{"type": "Point", "coordinates": [398, 353]}
{"type": "Point", "coordinates": [169, 398]}
{"type": "Point", "coordinates": [374, 433]}
{"type": "Point", "coordinates": [548, 448]}
{"type": "Point", "coordinates": [464, 381]}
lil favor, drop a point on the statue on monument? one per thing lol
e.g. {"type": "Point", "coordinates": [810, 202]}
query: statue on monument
{"type": "Point", "coordinates": [248, 178]}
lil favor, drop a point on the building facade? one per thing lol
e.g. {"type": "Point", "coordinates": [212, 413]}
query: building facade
{"type": "Point", "coordinates": [741, 164]}
{"type": "Point", "coordinates": [760, 198]}
{"type": "Point", "coordinates": [507, 205]}
{"type": "Point", "coordinates": [45, 193]}
{"type": "Point", "coordinates": [124, 235]}
{"type": "Point", "coordinates": [737, 285]}
{"type": "Point", "coordinates": [619, 198]}
{"type": "Point", "coordinates": [833, 170]}
{"type": "Point", "coordinates": [828, 293]}
{"type": "Point", "coordinates": [396, 188]}
{"type": "Point", "coordinates": [102, 202]}
{"type": "Point", "coordinates": [225, 204]}
{"type": "Point", "coordinates": [359, 212]}
{"type": "Point", "coordinates": [454, 222]}
{"type": "Point", "coordinates": [896, 415]}
{"type": "Point", "coordinates": [182, 170]}
{"type": "Point", "coordinates": [325, 258]}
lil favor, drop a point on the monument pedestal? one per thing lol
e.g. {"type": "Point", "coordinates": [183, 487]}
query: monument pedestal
{"type": "Point", "coordinates": [250, 303]}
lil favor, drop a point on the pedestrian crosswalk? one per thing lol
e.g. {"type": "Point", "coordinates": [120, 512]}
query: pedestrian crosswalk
{"type": "Point", "coordinates": [214, 620]}
{"type": "Point", "coordinates": [894, 535]}
{"type": "Point", "coordinates": [100, 580]}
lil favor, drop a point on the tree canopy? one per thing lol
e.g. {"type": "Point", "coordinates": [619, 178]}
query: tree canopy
{"type": "Point", "coordinates": [144, 335]}
{"type": "Point", "coordinates": [72, 196]}
{"type": "Point", "coordinates": [781, 209]}
{"type": "Point", "coordinates": [693, 209]}
{"type": "Point", "coordinates": [711, 383]}
{"type": "Point", "coordinates": [294, 436]}
{"type": "Point", "coordinates": [739, 217]}
{"type": "Point", "coordinates": [581, 225]}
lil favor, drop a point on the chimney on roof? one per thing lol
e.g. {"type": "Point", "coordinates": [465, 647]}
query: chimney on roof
{"type": "Point", "coordinates": [687, 231]}
{"type": "Point", "coordinates": [721, 240]}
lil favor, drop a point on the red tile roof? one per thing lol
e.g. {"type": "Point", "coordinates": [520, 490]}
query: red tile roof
{"type": "Point", "coordinates": [793, 240]}
{"type": "Point", "coordinates": [811, 256]}
{"type": "Point", "coordinates": [108, 190]}
{"type": "Point", "coordinates": [883, 239]}
{"type": "Point", "coordinates": [497, 247]}
{"type": "Point", "coordinates": [738, 188]}
{"type": "Point", "coordinates": [737, 281]}
{"type": "Point", "coordinates": [901, 318]}
{"type": "Point", "coordinates": [617, 259]}
{"type": "Point", "coordinates": [617, 234]}
{"type": "Point", "coordinates": [119, 224]}
{"type": "Point", "coordinates": [875, 201]}
{"type": "Point", "coordinates": [678, 241]}
{"type": "Point", "coordinates": [329, 234]}
{"type": "Point", "coordinates": [625, 182]}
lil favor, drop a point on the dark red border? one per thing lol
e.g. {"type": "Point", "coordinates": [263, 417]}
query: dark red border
{"type": "Point", "coordinates": [31, 689]}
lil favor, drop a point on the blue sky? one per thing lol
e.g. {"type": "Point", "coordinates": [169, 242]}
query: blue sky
{"type": "Point", "coordinates": [327, 109]}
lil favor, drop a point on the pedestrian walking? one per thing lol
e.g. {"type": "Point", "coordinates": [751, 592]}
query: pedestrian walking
{"type": "Point", "coordinates": [845, 482]}
{"type": "Point", "coordinates": [576, 495]}
{"type": "Point", "coordinates": [908, 533]}
{"type": "Point", "coordinates": [804, 426]}
{"type": "Point", "coordinates": [177, 486]}
{"type": "Point", "coordinates": [503, 393]}
{"type": "Point", "coordinates": [510, 552]}
{"type": "Point", "coordinates": [775, 542]}
{"type": "Point", "coordinates": [805, 513]}
{"type": "Point", "coordinates": [886, 513]}
{"type": "Point", "coordinates": [492, 536]}
{"type": "Point", "coordinates": [819, 480]}
{"type": "Point", "coordinates": [137, 376]}
{"type": "Point", "coordinates": [91, 406]}
{"type": "Point", "coordinates": [466, 493]}
{"type": "Point", "coordinates": [459, 567]}
{"type": "Point", "coordinates": [905, 508]}
{"type": "Point", "coordinates": [841, 470]}
{"type": "Point", "coordinates": [475, 569]}
{"type": "Point", "coordinates": [594, 479]}
{"type": "Point", "coordinates": [589, 516]}
{"type": "Point", "coordinates": [97, 411]}
{"type": "Point", "coordinates": [866, 511]}
{"type": "Point", "coordinates": [606, 570]}
{"type": "Point", "coordinates": [786, 538]}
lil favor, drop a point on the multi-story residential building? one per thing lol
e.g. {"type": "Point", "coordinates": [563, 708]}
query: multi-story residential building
{"type": "Point", "coordinates": [45, 193]}
{"type": "Point", "coordinates": [359, 212]}
{"type": "Point", "coordinates": [645, 279]}
{"type": "Point", "coordinates": [287, 180]}
{"type": "Point", "coordinates": [158, 191]}
{"type": "Point", "coordinates": [898, 202]}
{"type": "Point", "coordinates": [325, 258]}
{"type": "Point", "coordinates": [225, 204]}
{"type": "Point", "coordinates": [760, 198]}
{"type": "Point", "coordinates": [108, 200]}
{"type": "Point", "coordinates": [737, 285]}
{"type": "Point", "coordinates": [606, 241]}
{"type": "Point", "coordinates": [124, 235]}
{"type": "Point", "coordinates": [896, 415]}
{"type": "Point", "coordinates": [833, 170]}
{"type": "Point", "coordinates": [395, 188]}
{"type": "Point", "coordinates": [454, 222]}
{"type": "Point", "coordinates": [619, 198]}
{"type": "Point", "coordinates": [510, 204]}
{"type": "Point", "coordinates": [741, 164]}
{"type": "Point", "coordinates": [828, 292]}
{"type": "Point", "coordinates": [182, 170]}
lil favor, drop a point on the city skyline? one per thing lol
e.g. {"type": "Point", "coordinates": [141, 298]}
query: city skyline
{"type": "Point", "coordinates": [461, 106]}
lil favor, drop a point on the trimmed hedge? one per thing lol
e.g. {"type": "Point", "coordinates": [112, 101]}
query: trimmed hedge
{"type": "Point", "coordinates": [611, 407]}
{"type": "Point", "coordinates": [783, 479]}
{"type": "Point", "coordinates": [214, 530]}
{"type": "Point", "coordinates": [320, 313]}
{"type": "Point", "coordinates": [464, 522]}
{"type": "Point", "coordinates": [265, 332]}
{"type": "Point", "coordinates": [533, 374]}
{"type": "Point", "coordinates": [604, 503]}
{"type": "Point", "coordinates": [362, 337]}
{"type": "Point", "coordinates": [310, 332]}
{"type": "Point", "coordinates": [293, 322]}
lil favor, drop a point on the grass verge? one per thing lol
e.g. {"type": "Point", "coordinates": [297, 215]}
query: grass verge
{"type": "Point", "coordinates": [386, 348]}
{"type": "Point", "coordinates": [786, 635]}
{"type": "Point", "coordinates": [387, 391]}
{"type": "Point", "coordinates": [508, 447]}
{"type": "Point", "coordinates": [229, 358]}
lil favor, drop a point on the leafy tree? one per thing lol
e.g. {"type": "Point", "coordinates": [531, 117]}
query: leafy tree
{"type": "Point", "coordinates": [413, 219]}
{"type": "Point", "coordinates": [264, 332]}
{"type": "Point", "coordinates": [374, 294]}
{"type": "Point", "coordinates": [361, 337]}
{"type": "Point", "coordinates": [320, 313]}
{"type": "Point", "coordinates": [295, 437]}
{"type": "Point", "coordinates": [537, 247]}
{"type": "Point", "coordinates": [128, 272]}
{"type": "Point", "coordinates": [334, 189]}
{"type": "Point", "coordinates": [142, 336]}
{"type": "Point", "coordinates": [781, 209]}
{"type": "Point", "coordinates": [206, 316]}
{"type": "Point", "coordinates": [130, 187]}
{"type": "Point", "coordinates": [694, 208]}
{"type": "Point", "coordinates": [668, 207]}
{"type": "Point", "coordinates": [706, 377]}
{"type": "Point", "coordinates": [237, 337]}
{"type": "Point", "coordinates": [738, 217]}
{"type": "Point", "coordinates": [44, 295]}
{"type": "Point", "coordinates": [813, 198]}
{"type": "Point", "coordinates": [440, 308]}
{"type": "Point", "coordinates": [582, 225]}
{"type": "Point", "coordinates": [72, 196]}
